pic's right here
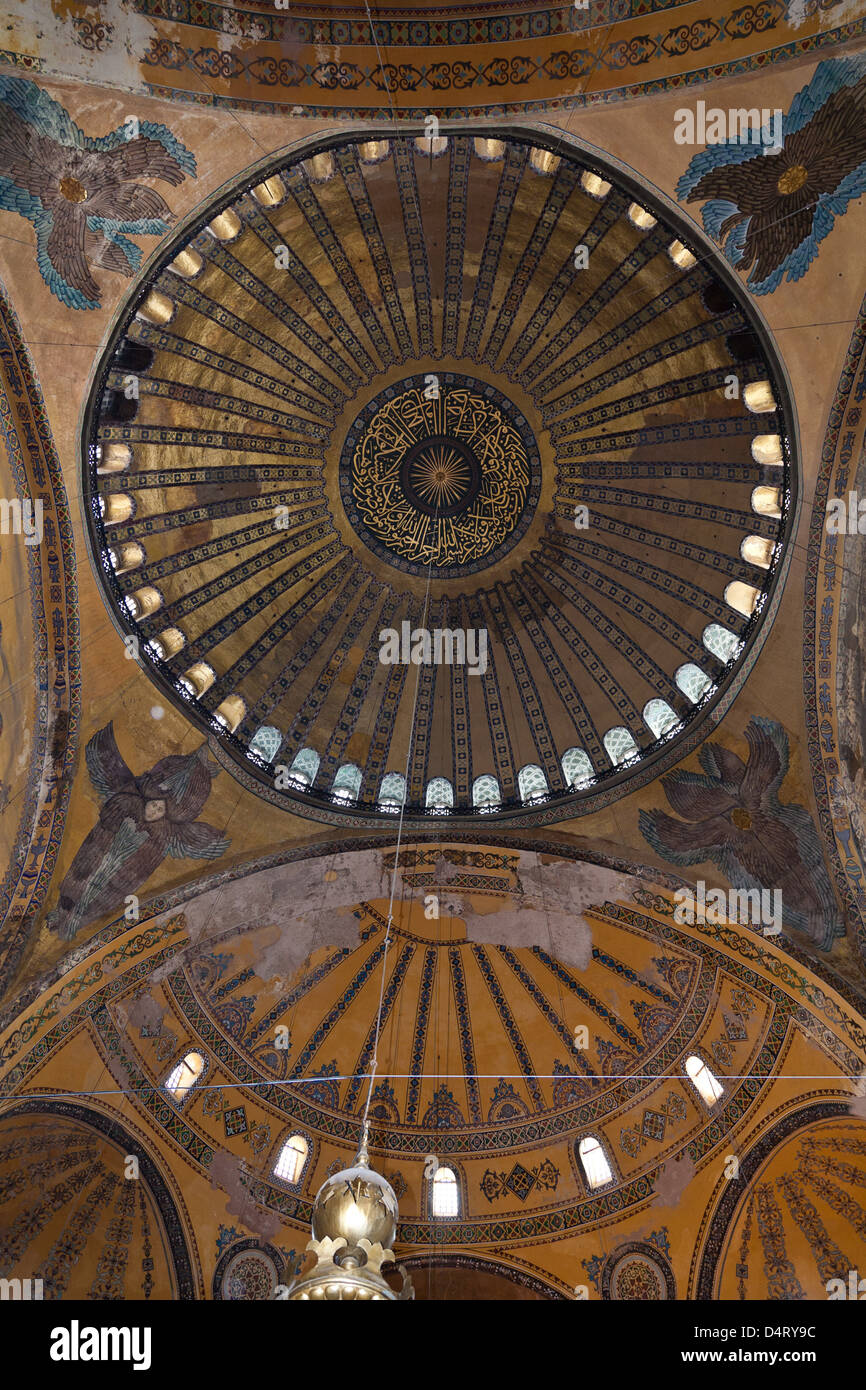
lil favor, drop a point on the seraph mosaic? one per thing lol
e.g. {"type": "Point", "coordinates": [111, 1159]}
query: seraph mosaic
{"type": "Point", "coordinates": [79, 191]}
{"type": "Point", "coordinates": [732, 817]}
{"type": "Point", "coordinates": [770, 211]}
{"type": "Point", "coordinates": [142, 821]}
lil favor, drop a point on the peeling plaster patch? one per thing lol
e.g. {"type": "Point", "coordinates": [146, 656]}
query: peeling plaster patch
{"type": "Point", "coordinates": [162, 972]}
{"type": "Point", "coordinates": [568, 939]}
{"type": "Point", "coordinates": [672, 1181]}
{"type": "Point", "coordinates": [247, 28]}
{"type": "Point", "coordinates": [311, 904]}
{"type": "Point", "coordinates": [285, 955]}
{"type": "Point", "coordinates": [616, 1001]}
{"type": "Point", "coordinates": [857, 1108]}
{"type": "Point", "coordinates": [228, 1172]}
{"type": "Point", "coordinates": [571, 887]}
{"type": "Point", "coordinates": [445, 870]}
{"type": "Point", "coordinates": [146, 1014]}
{"type": "Point", "coordinates": [549, 912]}
{"type": "Point", "coordinates": [23, 760]}
{"type": "Point", "coordinates": [453, 907]}
{"type": "Point", "coordinates": [356, 878]}
{"type": "Point", "coordinates": [798, 14]}
{"type": "Point", "coordinates": [61, 51]}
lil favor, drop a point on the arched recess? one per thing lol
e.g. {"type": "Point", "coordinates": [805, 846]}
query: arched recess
{"type": "Point", "coordinates": [469, 1278]}
{"type": "Point", "coordinates": [185, 1286]}
{"type": "Point", "coordinates": [39, 648]}
{"type": "Point", "coordinates": [250, 1270]}
{"type": "Point", "coordinates": [716, 1247]}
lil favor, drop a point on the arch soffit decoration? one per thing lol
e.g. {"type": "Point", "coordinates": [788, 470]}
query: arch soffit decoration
{"type": "Point", "coordinates": [177, 1229]}
{"type": "Point", "coordinates": [734, 1194]}
{"type": "Point", "coordinates": [52, 610]}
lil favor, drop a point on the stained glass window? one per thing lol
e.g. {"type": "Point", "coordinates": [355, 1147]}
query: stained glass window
{"type": "Point", "coordinates": [266, 742]}
{"type": "Point", "coordinates": [619, 744]}
{"type": "Point", "coordinates": [531, 781]}
{"type": "Point", "coordinates": [440, 793]}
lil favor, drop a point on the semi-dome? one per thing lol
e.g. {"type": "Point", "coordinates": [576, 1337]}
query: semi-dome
{"type": "Point", "coordinates": [453, 473]}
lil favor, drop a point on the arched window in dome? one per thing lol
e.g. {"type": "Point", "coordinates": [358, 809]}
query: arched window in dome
{"type": "Point", "coordinates": [720, 641]}
{"type": "Point", "coordinates": [576, 767]}
{"type": "Point", "coordinates": [491, 151]}
{"type": "Point", "coordinates": [196, 681]}
{"type": "Point", "coordinates": [659, 717]}
{"type": "Point", "coordinates": [767, 449]}
{"type": "Point", "coordinates": [485, 791]}
{"type": "Point", "coordinates": [703, 1080]}
{"type": "Point", "coordinates": [432, 146]}
{"type": "Point", "coordinates": [594, 1162]}
{"type": "Point", "coordinates": [127, 556]}
{"type": "Point", "coordinates": [639, 217]}
{"type": "Point", "coordinates": [758, 550]}
{"type": "Point", "coordinates": [767, 501]}
{"type": "Point", "coordinates": [758, 397]}
{"type": "Point", "coordinates": [619, 744]}
{"type": "Point", "coordinates": [692, 681]}
{"type": "Point", "coordinates": [682, 256]}
{"type": "Point", "coordinates": [305, 765]}
{"type": "Point", "coordinates": [444, 1193]}
{"type": "Point", "coordinates": [531, 782]}
{"type": "Point", "coordinates": [292, 1157]}
{"type": "Point", "coordinates": [143, 603]}
{"type": "Point", "coordinates": [229, 713]}
{"type": "Point", "coordinates": [543, 161]}
{"type": "Point", "coordinates": [392, 792]}
{"type": "Point", "coordinates": [742, 596]}
{"type": "Point", "coordinates": [347, 783]}
{"type": "Point", "coordinates": [594, 185]}
{"type": "Point", "coordinates": [266, 742]}
{"type": "Point", "coordinates": [184, 1075]}
{"type": "Point", "coordinates": [440, 794]}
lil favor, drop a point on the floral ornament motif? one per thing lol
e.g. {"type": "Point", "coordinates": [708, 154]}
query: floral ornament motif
{"type": "Point", "coordinates": [80, 192]}
{"type": "Point", "coordinates": [769, 212]}
{"type": "Point", "coordinates": [734, 819]}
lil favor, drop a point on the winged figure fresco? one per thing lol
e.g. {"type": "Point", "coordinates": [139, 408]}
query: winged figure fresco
{"type": "Point", "coordinates": [142, 821]}
{"type": "Point", "coordinates": [82, 192]}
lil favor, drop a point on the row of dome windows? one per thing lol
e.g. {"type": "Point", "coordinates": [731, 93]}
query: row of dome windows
{"type": "Point", "coordinates": [117, 508]}
{"type": "Point", "coordinates": [444, 1193]}
{"type": "Point", "coordinates": [577, 767]}
{"type": "Point", "coordinates": [766, 449]}
{"type": "Point", "coordinates": [294, 1152]}
{"type": "Point", "coordinates": [742, 597]}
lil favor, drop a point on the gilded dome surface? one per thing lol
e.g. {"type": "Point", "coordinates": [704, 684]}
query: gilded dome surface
{"type": "Point", "coordinates": [473, 429]}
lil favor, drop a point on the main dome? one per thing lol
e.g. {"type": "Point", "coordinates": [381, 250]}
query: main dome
{"type": "Point", "coordinates": [448, 471]}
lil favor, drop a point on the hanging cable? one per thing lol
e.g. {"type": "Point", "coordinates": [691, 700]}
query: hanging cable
{"type": "Point", "coordinates": [374, 1064]}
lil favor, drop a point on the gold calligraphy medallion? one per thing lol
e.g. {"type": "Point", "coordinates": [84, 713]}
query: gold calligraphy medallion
{"type": "Point", "coordinates": [450, 480]}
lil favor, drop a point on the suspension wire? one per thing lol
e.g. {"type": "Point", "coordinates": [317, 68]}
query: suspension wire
{"type": "Point", "coordinates": [374, 1065]}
